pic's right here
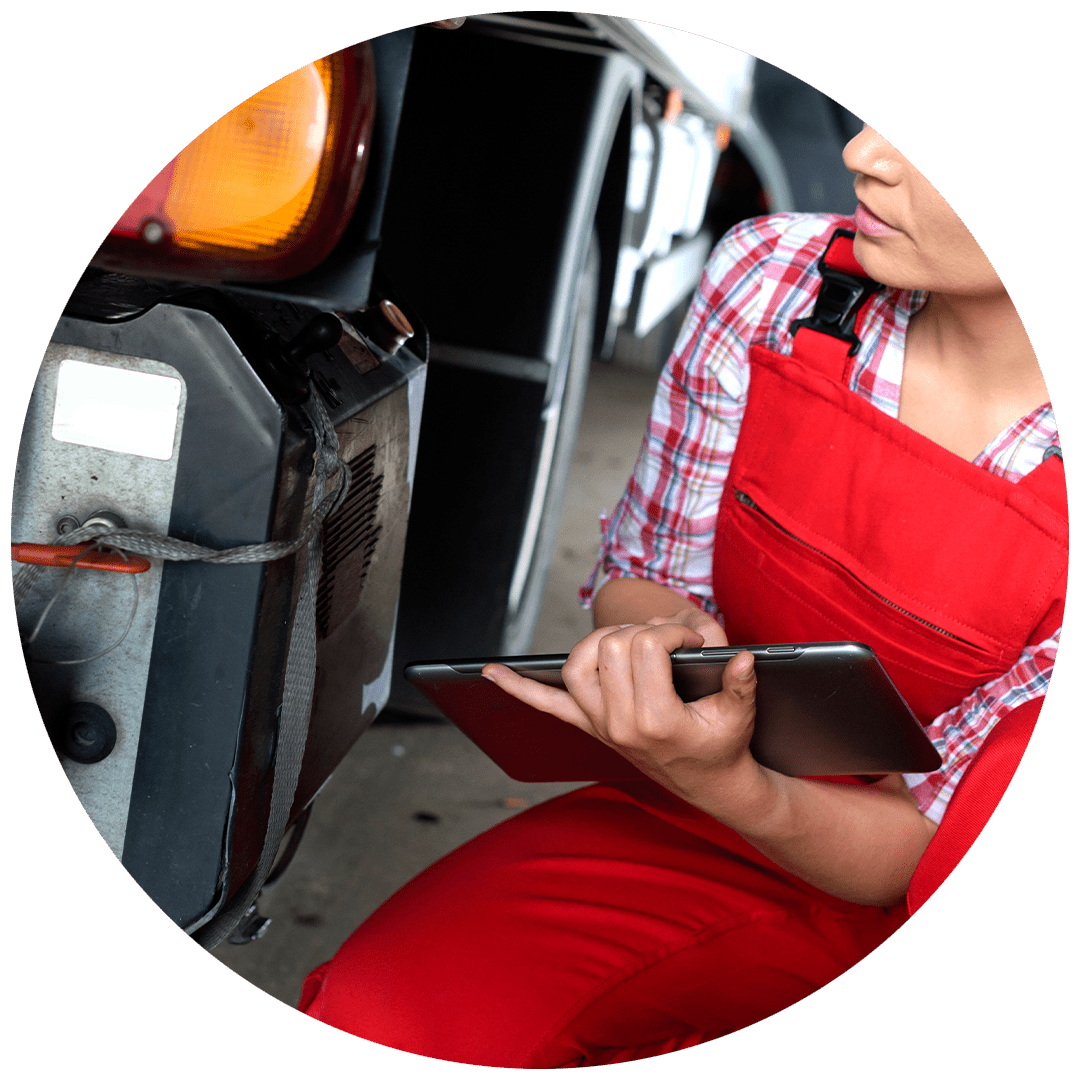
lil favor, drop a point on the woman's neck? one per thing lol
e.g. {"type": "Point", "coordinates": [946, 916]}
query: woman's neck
{"type": "Point", "coordinates": [969, 371]}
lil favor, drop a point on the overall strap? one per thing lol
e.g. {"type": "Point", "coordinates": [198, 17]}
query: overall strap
{"type": "Point", "coordinates": [827, 340]}
{"type": "Point", "coordinates": [1047, 482]}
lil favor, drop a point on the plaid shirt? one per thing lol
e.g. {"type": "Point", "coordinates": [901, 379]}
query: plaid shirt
{"type": "Point", "coordinates": [662, 528]}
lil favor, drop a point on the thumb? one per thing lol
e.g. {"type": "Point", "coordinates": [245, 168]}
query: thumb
{"type": "Point", "coordinates": [733, 706]}
{"type": "Point", "coordinates": [740, 679]}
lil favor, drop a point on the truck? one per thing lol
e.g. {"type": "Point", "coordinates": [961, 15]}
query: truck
{"type": "Point", "coordinates": [309, 411]}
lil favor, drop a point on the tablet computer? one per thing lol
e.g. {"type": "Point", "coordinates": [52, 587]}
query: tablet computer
{"type": "Point", "coordinates": [823, 709]}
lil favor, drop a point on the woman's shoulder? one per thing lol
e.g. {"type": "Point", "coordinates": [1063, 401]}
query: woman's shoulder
{"type": "Point", "coordinates": [759, 279]}
{"type": "Point", "coordinates": [783, 248]}
{"type": "Point", "coordinates": [763, 274]}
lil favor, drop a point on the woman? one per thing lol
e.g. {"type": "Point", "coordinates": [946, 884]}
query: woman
{"type": "Point", "coordinates": [907, 496]}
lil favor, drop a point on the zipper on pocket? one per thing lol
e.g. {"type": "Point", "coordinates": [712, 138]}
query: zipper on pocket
{"type": "Point", "coordinates": [746, 501]}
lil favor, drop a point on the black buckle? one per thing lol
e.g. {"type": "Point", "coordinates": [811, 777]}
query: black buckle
{"type": "Point", "coordinates": [839, 301]}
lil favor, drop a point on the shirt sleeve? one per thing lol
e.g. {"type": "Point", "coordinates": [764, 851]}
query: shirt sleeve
{"type": "Point", "coordinates": [959, 733]}
{"type": "Point", "coordinates": [662, 528]}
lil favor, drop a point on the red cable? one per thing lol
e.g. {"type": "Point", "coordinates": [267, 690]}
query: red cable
{"type": "Point", "coordinates": [56, 555]}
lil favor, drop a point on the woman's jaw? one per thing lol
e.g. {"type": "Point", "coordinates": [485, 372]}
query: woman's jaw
{"type": "Point", "coordinates": [908, 236]}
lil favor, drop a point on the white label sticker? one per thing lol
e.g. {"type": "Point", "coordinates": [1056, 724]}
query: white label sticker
{"type": "Point", "coordinates": [131, 412]}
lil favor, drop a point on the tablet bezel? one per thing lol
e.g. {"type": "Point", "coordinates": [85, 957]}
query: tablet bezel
{"type": "Point", "coordinates": [824, 709]}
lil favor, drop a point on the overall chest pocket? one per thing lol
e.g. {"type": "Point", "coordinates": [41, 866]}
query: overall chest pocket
{"type": "Point", "coordinates": [773, 585]}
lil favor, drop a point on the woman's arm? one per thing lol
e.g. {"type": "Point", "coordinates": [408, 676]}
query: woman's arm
{"type": "Point", "coordinates": [663, 526]}
{"type": "Point", "coordinates": [794, 810]}
{"type": "Point", "coordinates": [959, 733]}
{"type": "Point", "coordinates": [858, 843]}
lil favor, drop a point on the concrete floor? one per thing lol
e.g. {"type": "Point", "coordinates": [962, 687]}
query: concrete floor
{"type": "Point", "coordinates": [409, 793]}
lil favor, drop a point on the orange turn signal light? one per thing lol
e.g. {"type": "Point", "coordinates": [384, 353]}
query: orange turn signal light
{"type": "Point", "coordinates": [266, 192]}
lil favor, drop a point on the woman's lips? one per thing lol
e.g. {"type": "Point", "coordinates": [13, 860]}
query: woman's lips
{"type": "Point", "coordinates": [871, 225]}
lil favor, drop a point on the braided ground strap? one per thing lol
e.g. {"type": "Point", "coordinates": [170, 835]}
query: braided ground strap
{"type": "Point", "coordinates": [299, 673]}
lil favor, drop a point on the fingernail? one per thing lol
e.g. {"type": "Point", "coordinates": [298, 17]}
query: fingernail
{"type": "Point", "coordinates": [744, 667]}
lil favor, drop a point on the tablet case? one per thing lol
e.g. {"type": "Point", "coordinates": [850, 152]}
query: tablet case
{"type": "Point", "coordinates": [823, 709]}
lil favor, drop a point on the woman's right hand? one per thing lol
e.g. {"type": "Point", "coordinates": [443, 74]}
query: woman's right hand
{"type": "Point", "coordinates": [697, 620]}
{"type": "Point", "coordinates": [619, 689]}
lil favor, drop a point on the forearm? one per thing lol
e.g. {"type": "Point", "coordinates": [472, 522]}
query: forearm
{"type": "Point", "coordinates": [860, 843]}
{"type": "Point", "coordinates": [630, 600]}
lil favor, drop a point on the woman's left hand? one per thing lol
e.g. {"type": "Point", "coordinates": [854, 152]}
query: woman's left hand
{"type": "Point", "coordinates": [619, 689]}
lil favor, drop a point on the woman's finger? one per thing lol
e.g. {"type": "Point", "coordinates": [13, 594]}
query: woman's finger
{"type": "Point", "coordinates": [659, 620]}
{"type": "Point", "coordinates": [580, 672]}
{"type": "Point", "coordinates": [615, 680]}
{"type": "Point", "coordinates": [583, 654]}
{"type": "Point", "coordinates": [656, 706]}
{"type": "Point", "coordinates": [711, 631]}
{"type": "Point", "coordinates": [549, 699]}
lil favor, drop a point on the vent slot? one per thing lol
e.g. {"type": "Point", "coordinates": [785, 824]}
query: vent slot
{"type": "Point", "coordinates": [349, 540]}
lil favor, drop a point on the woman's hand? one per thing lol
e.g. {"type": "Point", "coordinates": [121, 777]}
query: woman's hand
{"type": "Point", "coordinates": [619, 689]}
{"type": "Point", "coordinates": [858, 843]}
{"type": "Point", "coordinates": [712, 633]}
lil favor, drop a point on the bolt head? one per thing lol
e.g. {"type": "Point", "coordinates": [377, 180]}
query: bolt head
{"type": "Point", "coordinates": [153, 231]}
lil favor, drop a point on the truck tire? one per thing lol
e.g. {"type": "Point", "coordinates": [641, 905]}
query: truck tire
{"type": "Point", "coordinates": [489, 605]}
{"type": "Point", "coordinates": [527, 588]}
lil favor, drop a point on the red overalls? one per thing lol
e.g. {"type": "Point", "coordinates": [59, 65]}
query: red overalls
{"type": "Point", "coordinates": [617, 922]}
